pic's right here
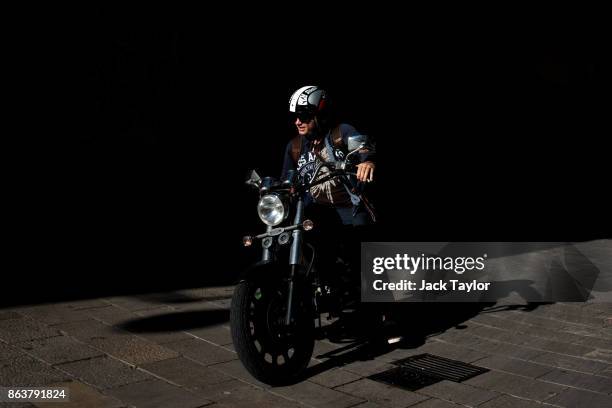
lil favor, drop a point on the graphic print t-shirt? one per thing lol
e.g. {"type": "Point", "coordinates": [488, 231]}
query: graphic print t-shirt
{"type": "Point", "coordinates": [331, 192]}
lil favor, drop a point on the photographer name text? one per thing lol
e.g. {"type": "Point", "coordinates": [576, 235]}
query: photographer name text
{"type": "Point", "coordinates": [453, 284]}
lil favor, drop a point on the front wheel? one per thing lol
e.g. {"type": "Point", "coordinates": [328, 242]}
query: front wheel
{"type": "Point", "coordinates": [271, 351]}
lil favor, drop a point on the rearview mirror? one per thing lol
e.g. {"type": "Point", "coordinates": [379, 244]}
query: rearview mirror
{"type": "Point", "coordinates": [356, 142]}
{"type": "Point", "coordinates": [253, 179]}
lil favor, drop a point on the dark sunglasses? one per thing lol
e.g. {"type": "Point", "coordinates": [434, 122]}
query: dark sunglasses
{"type": "Point", "coordinates": [304, 117]}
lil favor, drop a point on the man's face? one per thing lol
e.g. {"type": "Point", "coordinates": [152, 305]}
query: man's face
{"type": "Point", "coordinates": [305, 124]}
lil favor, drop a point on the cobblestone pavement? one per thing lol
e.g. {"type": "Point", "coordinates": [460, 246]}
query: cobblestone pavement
{"type": "Point", "coordinates": [175, 350]}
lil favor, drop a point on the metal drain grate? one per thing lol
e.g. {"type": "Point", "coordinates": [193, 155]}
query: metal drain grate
{"type": "Point", "coordinates": [404, 378]}
{"type": "Point", "coordinates": [440, 367]}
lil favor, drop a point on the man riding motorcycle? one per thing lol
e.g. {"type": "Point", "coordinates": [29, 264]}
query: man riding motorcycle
{"type": "Point", "coordinates": [339, 204]}
{"type": "Point", "coordinates": [315, 215]}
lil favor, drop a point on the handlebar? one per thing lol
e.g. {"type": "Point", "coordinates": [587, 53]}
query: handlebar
{"type": "Point", "coordinates": [270, 185]}
{"type": "Point", "coordinates": [331, 175]}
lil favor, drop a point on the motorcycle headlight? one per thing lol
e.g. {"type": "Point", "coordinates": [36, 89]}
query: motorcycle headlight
{"type": "Point", "coordinates": [271, 210]}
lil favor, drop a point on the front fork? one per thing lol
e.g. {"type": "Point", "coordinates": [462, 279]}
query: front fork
{"type": "Point", "coordinates": [295, 255]}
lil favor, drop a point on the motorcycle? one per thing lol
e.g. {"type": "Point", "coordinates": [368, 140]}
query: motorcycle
{"type": "Point", "coordinates": [278, 300]}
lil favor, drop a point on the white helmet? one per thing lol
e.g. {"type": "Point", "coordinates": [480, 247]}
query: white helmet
{"type": "Point", "coordinates": [308, 99]}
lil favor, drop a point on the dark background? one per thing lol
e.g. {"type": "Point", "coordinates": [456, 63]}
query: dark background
{"type": "Point", "coordinates": [145, 132]}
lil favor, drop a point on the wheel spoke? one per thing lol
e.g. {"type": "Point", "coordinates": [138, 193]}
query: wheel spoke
{"type": "Point", "coordinates": [275, 359]}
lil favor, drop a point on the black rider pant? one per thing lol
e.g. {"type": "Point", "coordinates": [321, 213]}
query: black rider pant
{"type": "Point", "coordinates": [337, 237]}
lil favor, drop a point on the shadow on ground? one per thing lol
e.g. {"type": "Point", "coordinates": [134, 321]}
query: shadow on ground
{"type": "Point", "coordinates": [412, 322]}
{"type": "Point", "coordinates": [180, 321]}
{"type": "Point", "coordinates": [179, 298]}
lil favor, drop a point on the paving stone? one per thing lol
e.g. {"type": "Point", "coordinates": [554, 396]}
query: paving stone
{"type": "Point", "coordinates": [545, 333]}
{"type": "Point", "coordinates": [182, 296]}
{"type": "Point", "coordinates": [235, 369]}
{"type": "Point", "coordinates": [201, 351]}
{"type": "Point", "coordinates": [600, 354]}
{"type": "Point", "coordinates": [86, 304]}
{"type": "Point", "coordinates": [168, 322]}
{"type": "Point", "coordinates": [570, 362]}
{"type": "Point", "coordinates": [489, 319]}
{"type": "Point", "coordinates": [382, 394]}
{"type": "Point", "coordinates": [559, 347]}
{"type": "Point", "coordinates": [399, 354]}
{"type": "Point", "coordinates": [198, 306]}
{"type": "Point", "coordinates": [578, 307]}
{"type": "Point", "coordinates": [334, 377]}
{"type": "Point", "coordinates": [132, 303]}
{"type": "Point", "coordinates": [160, 310]}
{"type": "Point", "coordinates": [458, 393]}
{"type": "Point", "coordinates": [155, 334]}
{"type": "Point", "coordinates": [215, 391]}
{"type": "Point", "coordinates": [495, 334]}
{"type": "Point", "coordinates": [219, 334]}
{"type": "Point", "coordinates": [237, 394]}
{"type": "Point", "coordinates": [606, 372]}
{"type": "Point", "coordinates": [579, 380]}
{"type": "Point", "coordinates": [18, 330]}
{"type": "Point", "coordinates": [515, 385]}
{"type": "Point", "coordinates": [178, 296]}
{"type": "Point", "coordinates": [52, 314]}
{"type": "Point", "coordinates": [594, 332]}
{"type": "Point", "coordinates": [508, 401]}
{"type": "Point", "coordinates": [187, 373]}
{"type": "Point", "coordinates": [156, 393]}
{"type": "Point", "coordinates": [111, 315]}
{"type": "Point", "coordinates": [586, 317]}
{"type": "Point", "coordinates": [9, 314]}
{"type": "Point", "coordinates": [81, 396]}
{"type": "Point", "coordinates": [459, 338]}
{"type": "Point", "coordinates": [572, 397]}
{"type": "Point", "coordinates": [223, 303]}
{"type": "Point", "coordinates": [7, 352]}
{"type": "Point", "coordinates": [163, 337]}
{"type": "Point", "coordinates": [514, 332]}
{"type": "Point", "coordinates": [599, 307]}
{"type": "Point", "coordinates": [25, 371]}
{"type": "Point", "coordinates": [367, 367]}
{"type": "Point", "coordinates": [59, 349]}
{"type": "Point", "coordinates": [514, 366]}
{"type": "Point", "coordinates": [133, 349]}
{"type": "Point", "coordinates": [506, 331]}
{"type": "Point", "coordinates": [104, 372]}
{"type": "Point", "coordinates": [88, 329]}
{"type": "Point", "coordinates": [217, 292]}
{"type": "Point", "coordinates": [510, 350]}
{"type": "Point", "coordinates": [595, 342]}
{"type": "Point", "coordinates": [324, 349]}
{"type": "Point", "coordinates": [525, 317]}
{"type": "Point", "coordinates": [317, 395]}
{"type": "Point", "coordinates": [432, 403]}
{"type": "Point", "coordinates": [370, 404]}
{"type": "Point", "coordinates": [451, 351]}
{"type": "Point", "coordinates": [16, 405]}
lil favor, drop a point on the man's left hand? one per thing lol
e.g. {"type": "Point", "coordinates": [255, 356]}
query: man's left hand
{"type": "Point", "coordinates": [365, 171]}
